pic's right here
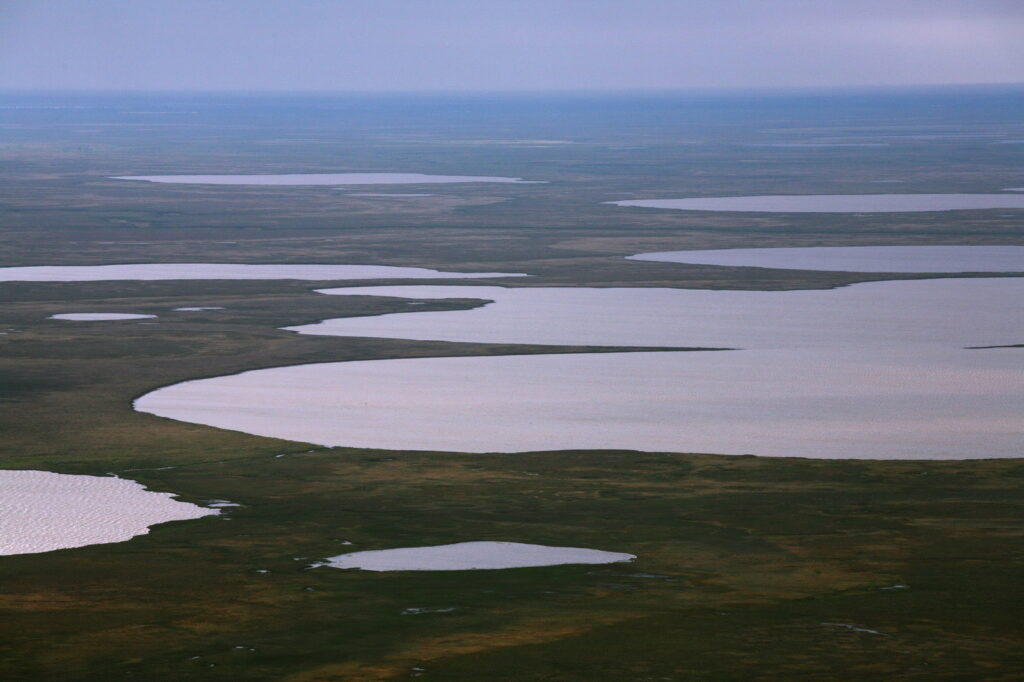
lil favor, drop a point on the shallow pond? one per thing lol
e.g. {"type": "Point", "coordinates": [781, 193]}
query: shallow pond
{"type": "Point", "coordinates": [464, 556]}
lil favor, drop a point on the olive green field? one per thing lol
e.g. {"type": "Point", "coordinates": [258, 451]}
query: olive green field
{"type": "Point", "coordinates": [748, 568]}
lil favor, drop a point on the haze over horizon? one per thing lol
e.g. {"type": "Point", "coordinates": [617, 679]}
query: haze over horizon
{"type": "Point", "coordinates": [532, 45]}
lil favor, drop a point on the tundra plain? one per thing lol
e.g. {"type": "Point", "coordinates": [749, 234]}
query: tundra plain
{"type": "Point", "coordinates": [747, 567]}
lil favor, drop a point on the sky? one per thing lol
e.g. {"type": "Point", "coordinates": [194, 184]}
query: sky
{"type": "Point", "coordinates": [493, 45]}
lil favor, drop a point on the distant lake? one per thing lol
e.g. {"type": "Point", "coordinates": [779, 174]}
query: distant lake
{"type": "Point", "coordinates": [171, 271]}
{"type": "Point", "coordinates": [464, 556]}
{"type": "Point", "coordinates": [97, 317]}
{"type": "Point", "coordinates": [815, 145]}
{"type": "Point", "coordinates": [835, 203]}
{"type": "Point", "coordinates": [875, 370]}
{"type": "Point", "coordinates": [857, 258]}
{"type": "Point", "coordinates": [323, 179]}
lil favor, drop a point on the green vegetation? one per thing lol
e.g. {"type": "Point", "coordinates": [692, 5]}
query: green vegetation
{"type": "Point", "coordinates": [749, 568]}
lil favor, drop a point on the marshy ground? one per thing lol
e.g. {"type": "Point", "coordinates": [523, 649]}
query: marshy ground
{"type": "Point", "coordinates": [748, 568]}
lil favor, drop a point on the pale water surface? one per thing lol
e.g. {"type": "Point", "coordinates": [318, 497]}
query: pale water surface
{"type": "Point", "coordinates": [943, 313]}
{"type": "Point", "coordinates": [473, 556]}
{"type": "Point", "coordinates": [813, 145]}
{"type": "Point", "coordinates": [958, 404]}
{"type": "Point", "coordinates": [42, 511]}
{"type": "Point", "coordinates": [835, 203]}
{"type": "Point", "coordinates": [97, 317]}
{"type": "Point", "coordinates": [163, 271]}
{"type": "Point", "coordinates": [875, 370]}
{"type": "Point", "coordinates": [858, 258]}
{"type": "Point", "coordinates": [324, 179]}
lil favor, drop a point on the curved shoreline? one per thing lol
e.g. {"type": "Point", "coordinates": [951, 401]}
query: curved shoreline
{"type": "Point", "coordinates": [105, 509]}
{"type": "Point", "coordinates": [315, 272]}
{"type": "Point", "coordinates": [1007, 260]}
{"type": "Point", "coordinates": [891, 365]}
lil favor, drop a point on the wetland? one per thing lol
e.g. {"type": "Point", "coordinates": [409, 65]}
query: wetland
{"type": "Point", "coordinates": [774, 567]}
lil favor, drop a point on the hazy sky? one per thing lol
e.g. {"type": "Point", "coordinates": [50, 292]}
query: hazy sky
{"type": "Point", "coordinates": [506, 44]}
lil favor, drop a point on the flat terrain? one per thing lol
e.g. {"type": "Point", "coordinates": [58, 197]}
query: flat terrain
{"type": "Point", "coordinates": [749, 568]}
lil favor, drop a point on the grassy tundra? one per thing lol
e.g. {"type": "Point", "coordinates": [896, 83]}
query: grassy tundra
{"type": "Point", "coordinates": [748, 568]}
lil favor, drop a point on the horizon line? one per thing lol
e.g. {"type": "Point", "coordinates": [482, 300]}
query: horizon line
{"type": "Point", "coordinates": [681, 90]}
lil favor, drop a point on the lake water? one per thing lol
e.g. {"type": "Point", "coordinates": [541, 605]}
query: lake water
{"type": "Point", "coordinates": [835, 203]}
{"type": "Point", "coordinates": [325, 179]}
{"type": "Point", "coordinates": [42, 511]}
{"type": "Point", "coordinates": [958, 404]}
{"type": "Point", "coordinates": [383, 194]}
{"type": "Point", "coordinates": [876, 370]}
{"type": "Point", "coordinates": [170, 271]}
{"type": "Point", "coordinates": [858, 258]}
{"type": "Point", "coordinates": [945, 312]}
{"type": "Point", "coordinates": [97, 317]}
{"type": "Point", "coordinates": [464, 556]}
{"type": "Point", "coordinates": [815, 145]}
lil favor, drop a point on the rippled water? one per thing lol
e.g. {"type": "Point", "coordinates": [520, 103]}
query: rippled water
{"type": "Point", "coordinates": [42, 511]}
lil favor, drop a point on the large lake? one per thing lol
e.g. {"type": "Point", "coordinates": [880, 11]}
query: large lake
{"type": "Point", "coordinates": [171, 271]}
{"type": "Point", "coordinates": [835, 203]}
{"type": "Point", "coordinates": [875, 370]}
{"type": "Point", "coordinates": [934, 259]}
{"type": "Point", "coordinates": [943, 313]}
{"type": "Point", "coordinates": [324, 179]}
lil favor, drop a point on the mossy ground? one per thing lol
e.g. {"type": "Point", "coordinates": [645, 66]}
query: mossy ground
{"type": "Point", "coordinates": [748, 568]}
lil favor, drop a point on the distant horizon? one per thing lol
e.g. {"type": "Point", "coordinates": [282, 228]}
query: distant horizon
{"type": "Point", "coordinates": [527, 45]}
{"type": "Point", "coordinates": [701, 90]}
